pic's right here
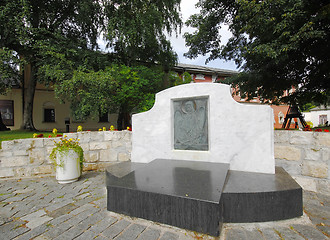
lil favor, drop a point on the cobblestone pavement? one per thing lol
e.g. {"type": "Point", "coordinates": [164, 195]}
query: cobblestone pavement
{"type": "Point", "coordinates": [40, 208]}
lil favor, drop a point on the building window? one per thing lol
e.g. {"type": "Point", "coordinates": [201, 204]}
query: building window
{"type": "Point", "coordinates": [49, 115]}
{"type": "Point", "coordinates": [49, 112]}
{"type": "Point", "coordinates": [323, 119]}
{"type": "Point", "coordinates": [200, 77]}
{"type": "Point", "coordinates": [103, 117]}
{"type": "Point", "coordinates": [281, 117]}
{"type": "Point", "coordinates": [7, 112]}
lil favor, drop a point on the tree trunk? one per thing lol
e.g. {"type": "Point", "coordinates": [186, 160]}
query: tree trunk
{"type": "Point", "coordinates": [29, 98]}
{"type": "Point", "coordinates": [120, 119]}
{"type": "Point", "coordinates": [2, 125]}
{"type": "Point", "coordinates": [123, 120]}
{"type": "Point", "coordinates": [166, 80]}
{"type": "Point", "coordinates": [127, 120]}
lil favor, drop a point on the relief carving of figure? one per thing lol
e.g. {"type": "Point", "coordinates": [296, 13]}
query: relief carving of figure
{"type": "Point", "coordinates": [190, 126]}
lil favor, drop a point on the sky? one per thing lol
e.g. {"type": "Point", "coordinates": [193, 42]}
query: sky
{"type": "Point", "coordinates": [188, 8]}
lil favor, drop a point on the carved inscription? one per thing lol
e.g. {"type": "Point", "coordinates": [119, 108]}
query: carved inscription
{"type": "Point", "coordinates": [191, 124]}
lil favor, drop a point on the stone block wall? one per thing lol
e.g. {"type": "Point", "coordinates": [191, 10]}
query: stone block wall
{"type": "Point", "coordinates": [304, 155]}
{"type": "Point", "coordinates": [30, 157]}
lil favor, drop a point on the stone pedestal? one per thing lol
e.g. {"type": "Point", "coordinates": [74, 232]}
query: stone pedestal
{"type": "Point", "coordinates": [184, 194]}
{"type": "Point", "coordinates": [257, 197]}
{"type": "Point", "coordinates": [200, 196]}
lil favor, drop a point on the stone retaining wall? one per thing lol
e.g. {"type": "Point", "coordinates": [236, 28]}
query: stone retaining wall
{"type": "Point", "coordinates": [305, 155]}
{"type": "Point", "coordinates": [30, 157]}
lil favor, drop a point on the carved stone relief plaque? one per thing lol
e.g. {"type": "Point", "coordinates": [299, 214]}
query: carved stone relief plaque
{"type": "Point", "coordinates": [191, 124]}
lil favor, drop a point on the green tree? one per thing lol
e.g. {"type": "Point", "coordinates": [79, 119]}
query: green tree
{"type": "Point", "coordinates": [115, 89]}
{"type": "Point", "coordinates": [277, 44]}
{"type": "Point", "coordinates": [8, 75]}
{"type": "Point", "coordinates": [58, 37]}
{"type": "Point", "coordinates": [28, 28]}
{"type": "Point", "coordinates": [136, 30]}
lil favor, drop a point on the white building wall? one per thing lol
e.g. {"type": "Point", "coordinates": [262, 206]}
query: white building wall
{"type": "Point", "coordinates": [314, 116]}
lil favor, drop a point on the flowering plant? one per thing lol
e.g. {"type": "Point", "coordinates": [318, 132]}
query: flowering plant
{"type": "Point", "coordinates": [64, 145]}
{"type": "Point", "coordinates": [35, 135]}
{"type": "Point", "coordinates": [55, 131]}
{"type": "Point", "coordinates": [307, 128]}
{"type": "Point", "coordinates": [320, 130]}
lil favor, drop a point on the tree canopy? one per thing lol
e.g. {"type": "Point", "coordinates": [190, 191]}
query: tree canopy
{"type": "Point", "coordinates": [136, 30]}
{"type": "Point", "coordinates": [29, 29]}
{"type": "Point", "coordinates": [57, 38]}
{"type": "Point", "coordinates": [9, 75]}
{"type": "Point", "coordinates": [93, 92]}
{"type": "Point", "coordinates": [114, 89]}
{"type": "Point", "coordinates": [279, 45]}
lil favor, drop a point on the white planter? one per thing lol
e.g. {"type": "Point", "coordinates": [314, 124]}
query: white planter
{"type": "Point", "coordinates": [68, 166]}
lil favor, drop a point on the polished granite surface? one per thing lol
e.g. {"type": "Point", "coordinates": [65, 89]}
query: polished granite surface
{"type": "Point", "coordinates": [248, 182]}
{"type": "Point", "coordinates": [200, 196]}
{"type": "Point", "coordinates": [188, 179]}
{"type": "Point", "coordinates": [122, 169]}
{"type": "Point", "coordinates": [258, 197]}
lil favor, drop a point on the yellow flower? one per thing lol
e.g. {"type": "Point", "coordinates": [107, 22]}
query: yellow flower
{"type": "Point", "coordinates": [100, 129]}
{"type": "Point", "coordinates": [79, 128]}
{"type": "Point", "coordinates": [104, 128]}
{"type": "Point", "coordinates": [55, 131]}
{"type": "Point", "coordinates": [70, 139]}
{"type": "Point", "coordinates": [112, 128]}
{"type": "Point", "coordinates": [35, 135]}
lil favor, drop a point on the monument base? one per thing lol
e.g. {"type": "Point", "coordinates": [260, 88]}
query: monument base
{"type": "Point", "coordinates": [259, 197]}
{"type": "Point", "coordinates": [200, 196]}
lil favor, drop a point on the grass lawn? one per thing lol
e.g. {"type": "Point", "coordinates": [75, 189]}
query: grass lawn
{"type": "Point", "coordinates": [18, 134]}
{"type": "Point", "coordinates": [313, 129]}
{"type": "Point", "coordinates": [328, 127]}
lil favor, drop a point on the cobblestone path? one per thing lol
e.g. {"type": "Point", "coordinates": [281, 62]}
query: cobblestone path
{"type": "Point", "coordinates": [40, 208]}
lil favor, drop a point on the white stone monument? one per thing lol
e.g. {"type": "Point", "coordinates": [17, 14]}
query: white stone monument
{"type": "Point", "coordinates": [202, 122]}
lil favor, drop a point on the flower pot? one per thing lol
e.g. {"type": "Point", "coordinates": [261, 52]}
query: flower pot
{"type": "Point", "coordinates": [67, 166]}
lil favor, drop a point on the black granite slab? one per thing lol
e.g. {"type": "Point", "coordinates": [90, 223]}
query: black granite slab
{"type": "Point", "coordinates": [258, 197]}
{"type": "Point", "coordinates": [200, 196]}
{"type": "Point", "coordinates": [122, 169]}
{"type": "Point", "coordinates": [185, 194]}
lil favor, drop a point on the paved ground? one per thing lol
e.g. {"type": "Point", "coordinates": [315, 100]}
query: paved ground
{"type": "Point", "coordinates": [40, 208]}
